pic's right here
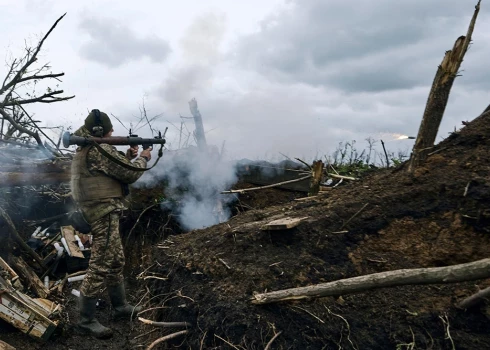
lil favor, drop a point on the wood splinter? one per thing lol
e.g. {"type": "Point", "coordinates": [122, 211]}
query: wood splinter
{"type": "Point", "coordinates": [224, 263]}
{"type": "Point", "coordinates": [164, 324]}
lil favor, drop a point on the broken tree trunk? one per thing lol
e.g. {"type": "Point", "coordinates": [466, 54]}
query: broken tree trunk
{"type": "Point", "coordinates": [439, 95]}
{"type": "Point", "coordinates": [317, 171]}
{"type": "Point", "coordinates": [436, 275]}
{"type": "Point", "coordinates": [200, 137]}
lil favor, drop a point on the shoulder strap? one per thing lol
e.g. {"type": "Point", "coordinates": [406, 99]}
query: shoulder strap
{"type": "Point", "coordinates": [121, 163]}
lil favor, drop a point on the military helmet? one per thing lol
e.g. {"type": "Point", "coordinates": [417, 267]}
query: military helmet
{"type": "Point", "coordinates": [98, 123]}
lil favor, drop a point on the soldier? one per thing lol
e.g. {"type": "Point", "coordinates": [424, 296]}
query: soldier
{"type": "Point", "coordinates": [99, 186]}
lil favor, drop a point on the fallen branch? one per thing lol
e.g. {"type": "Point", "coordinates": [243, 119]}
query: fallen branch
{"type": "Point", "coordinates": [268, 186]}
{"type": "Point", "coordinates": [475, 299]}
{"type": "Point", "coordinates": [165, 338]}
{"type": "Point", "coordinates": [353, 216]}
{"type": "Point", "coordinates": [435, 275]}
{"type": "Point", "coordinates": [336, 176]}
{"type": "Point", "coordinates": [267, 347]}
{"type": "Point", "coordinates": [164, 324]}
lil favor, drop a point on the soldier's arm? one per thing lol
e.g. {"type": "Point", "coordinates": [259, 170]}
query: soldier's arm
{"type": "Point", "coordinates": [114, 170]}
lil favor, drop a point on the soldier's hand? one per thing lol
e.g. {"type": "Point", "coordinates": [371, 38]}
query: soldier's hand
{"type": "Point", "coordinates": [146, 153]}
{"type": "Point", "coordinates": [132, 152]}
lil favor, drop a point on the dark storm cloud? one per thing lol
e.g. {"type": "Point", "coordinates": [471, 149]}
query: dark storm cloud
{"type": "Point", "coordinates": [113, 43]}
{"type": "Point", "coordinates": [372, 45]}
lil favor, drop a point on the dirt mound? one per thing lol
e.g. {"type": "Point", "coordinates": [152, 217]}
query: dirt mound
{"type": "Point", "coordinates": [435, 217]}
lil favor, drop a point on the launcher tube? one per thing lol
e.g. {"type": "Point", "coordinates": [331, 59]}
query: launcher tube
{"type": "Point", "coordinates": [70, 139]}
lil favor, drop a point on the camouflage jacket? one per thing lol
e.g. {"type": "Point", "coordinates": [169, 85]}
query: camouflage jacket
{"type": "Point", "coordinates": [98, 163]}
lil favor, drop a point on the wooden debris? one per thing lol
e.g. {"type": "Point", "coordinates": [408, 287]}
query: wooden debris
{"type": "Point", "coordinates": [353, 216]}
{"type": "Point", "coordinates": [5, 346]}
{"type": "Point", "coordinates": [283, 224]}
{"type": "Point", "coordinates": [435, 275]}
{"type": "Point", "coordinates": [164, 324]}
{"type": "Point", "coordinates": [224, 263]}
{"type": "Point", "coordinates": [336, 176]}
{"type": "Point", "coordinates": [317, 171]}
{"type": "Point", "coordinates": [19, 240]}
{"type": "Point", "coordinates": [268, 346]}
{"type": "Point", "coordinates": [165, 338]}
{"type": "Point", "coordinates": [31, 316]}
{"type": "Point", "coordinates": [68, 232]}
{"type": "Point", "coordinates": [267, 186]}
{"type": "Point", "coordinates": [305, 198]}
{"type": "Point", "coordinates": [29, 277]}
{"type": "Point", "coordinates": [12, 275]}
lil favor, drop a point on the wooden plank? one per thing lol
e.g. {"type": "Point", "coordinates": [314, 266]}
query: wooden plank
{"type": "Point", "coordinates": [283, 224]}
{"type": "Point", "coordinates": [69, 233]}
{"type": "Point", "coordinates": [26, 314]}
{"type": "Point", "coordinates": [13, 277]}
{"type": "Point", "coordinates": [29, 277]}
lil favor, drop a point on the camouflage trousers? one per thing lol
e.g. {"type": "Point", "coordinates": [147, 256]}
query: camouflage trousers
{"type": "Point", "coordinates": [107, 256]}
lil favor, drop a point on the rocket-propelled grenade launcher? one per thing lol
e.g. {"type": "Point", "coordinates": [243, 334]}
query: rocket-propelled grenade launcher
{"type": "Point", "coordinates": [131, 140]}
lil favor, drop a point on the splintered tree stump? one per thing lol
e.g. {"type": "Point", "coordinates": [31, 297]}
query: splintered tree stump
{"type": "Point", "coordinates": [317, 171]}
{"type": "Point", "coordinates": [439, 95]}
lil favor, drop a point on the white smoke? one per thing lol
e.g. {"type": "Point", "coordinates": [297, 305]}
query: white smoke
{"type": "Point", "coordinates": [193, 180]}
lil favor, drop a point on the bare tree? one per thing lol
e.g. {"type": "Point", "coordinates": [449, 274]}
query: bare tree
{"type": "Point", "coordinates": [25, 73]}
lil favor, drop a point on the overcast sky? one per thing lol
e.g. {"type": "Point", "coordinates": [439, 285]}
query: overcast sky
{"type": "Point", "coordinates": [270, 76]}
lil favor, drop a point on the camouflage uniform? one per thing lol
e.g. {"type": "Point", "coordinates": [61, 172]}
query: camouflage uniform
{"type": "Point", "coordinates": [107, 257]}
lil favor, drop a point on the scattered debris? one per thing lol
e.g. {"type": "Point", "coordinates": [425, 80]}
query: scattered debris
{"type": "Point", "coordinates": [283, 224]}
{"type": "Point", "coordinates": [27, 283]}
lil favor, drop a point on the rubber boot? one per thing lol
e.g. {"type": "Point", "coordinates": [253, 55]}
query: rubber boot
{"type": "Point", "coordinates": [88, 324]}
{"type": "Point", "coordinates": [121, 307]}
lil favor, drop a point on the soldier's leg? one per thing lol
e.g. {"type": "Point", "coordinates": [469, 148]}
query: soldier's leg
{"type": "Point", "coordinates": [114, 279]}
{"type": "Point", "coordinates": [94, 279]}
{"type": "Point", "coordinates": [107, 257]}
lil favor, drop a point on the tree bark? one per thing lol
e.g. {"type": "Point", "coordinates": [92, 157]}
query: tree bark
{"type": "Point", "coordinates": [475, 299]}
{"type": "Point", "coordinates": [436, 275]}
{"type": "Point", "coordinates": [439, 95]}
